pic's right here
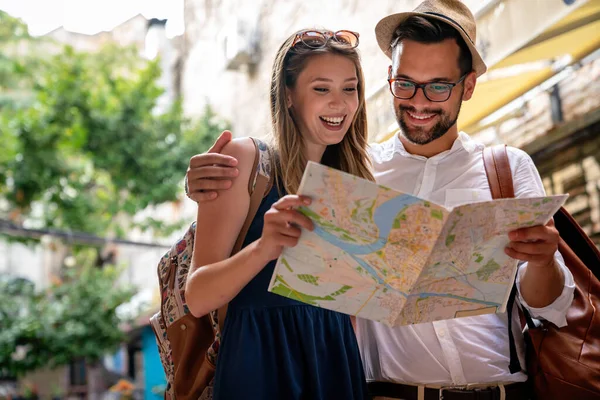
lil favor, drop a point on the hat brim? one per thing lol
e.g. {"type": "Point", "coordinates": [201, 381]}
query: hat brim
{"type": "Point", "coordinates": [384, 31]}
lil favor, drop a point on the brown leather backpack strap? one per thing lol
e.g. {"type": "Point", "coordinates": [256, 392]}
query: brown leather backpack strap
{"type": "Point", "coordinates": [497, 168]}
{"type": "Point", "coordinates": [499, 175]}
{"type": "Point", "coordinates": [255, 200]}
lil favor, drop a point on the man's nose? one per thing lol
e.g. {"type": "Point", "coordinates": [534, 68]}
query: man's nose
{"type": "Point", "coordinates": [419, 99]}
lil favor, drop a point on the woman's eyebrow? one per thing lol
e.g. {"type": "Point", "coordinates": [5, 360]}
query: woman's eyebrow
{"type": "Point", "coordinates": [319, 79]}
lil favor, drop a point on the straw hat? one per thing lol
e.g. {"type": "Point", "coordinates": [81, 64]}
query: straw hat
{"type": "Point", "coordinates": [452, 12]}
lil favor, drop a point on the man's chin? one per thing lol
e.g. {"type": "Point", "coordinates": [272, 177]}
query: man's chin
{"type": "Point", "coordinates": [416, 137]}
{"type": "Point", "coordinates": [421, 135]}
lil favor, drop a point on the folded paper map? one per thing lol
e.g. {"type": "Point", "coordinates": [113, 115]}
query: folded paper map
{"type": "Point", "coordinates": [392, 257]}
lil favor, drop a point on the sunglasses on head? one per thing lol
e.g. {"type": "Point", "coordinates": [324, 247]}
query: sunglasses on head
{"type": "Point", "coordinates": [317, 39]}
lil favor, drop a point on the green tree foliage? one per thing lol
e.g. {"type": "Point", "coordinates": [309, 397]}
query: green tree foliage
{"type": "Point", "coordinates": [19, 62]}
{"type": "Point", "coordinates": [87, 152]}
{"type": "Point", "coordinates": [91, 151]}
{"type": "Point", "coordinates": [12, 28]}
{"type": "Point", "coordinates": [74, 319]}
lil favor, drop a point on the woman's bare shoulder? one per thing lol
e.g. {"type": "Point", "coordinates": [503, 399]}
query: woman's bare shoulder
{"type": "Point", "coordinates": [223, 217]}
{"type": "Point", "coordinates": [243, 149]}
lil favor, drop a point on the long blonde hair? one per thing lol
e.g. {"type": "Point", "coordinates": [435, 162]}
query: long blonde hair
{"type": "Point", "coordinates": [350, 155]}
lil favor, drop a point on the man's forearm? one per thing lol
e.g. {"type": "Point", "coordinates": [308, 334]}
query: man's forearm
{"type": "Point", "coordinates": [541, 285]}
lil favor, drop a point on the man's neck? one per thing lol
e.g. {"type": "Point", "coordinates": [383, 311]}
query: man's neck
{"type": "Point", "coordinates": [431, 149]}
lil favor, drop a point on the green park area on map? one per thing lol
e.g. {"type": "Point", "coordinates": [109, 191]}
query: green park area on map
{"type": "Point", "coordinates": [395, 258]}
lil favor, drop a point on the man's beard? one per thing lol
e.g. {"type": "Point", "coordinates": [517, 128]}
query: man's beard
{"type": "Point", "coordinates": [419, 135]}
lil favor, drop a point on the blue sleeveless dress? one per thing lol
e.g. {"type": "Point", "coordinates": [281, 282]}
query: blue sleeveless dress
{"type": "Point", "coordinates": [276, 348]}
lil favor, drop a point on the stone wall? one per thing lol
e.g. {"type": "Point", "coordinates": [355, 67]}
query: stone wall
{"type": "Point", "coordinates": [572, 165]}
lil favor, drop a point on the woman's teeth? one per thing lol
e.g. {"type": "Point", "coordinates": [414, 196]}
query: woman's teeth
{"type": "Point", "coordinates": [333, 121]}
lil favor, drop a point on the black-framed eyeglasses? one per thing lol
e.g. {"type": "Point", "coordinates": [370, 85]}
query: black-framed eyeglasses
{"type": "Point", "coordinates": [318, 39]}
{"type": "Point", "coordinates": [437, 92]}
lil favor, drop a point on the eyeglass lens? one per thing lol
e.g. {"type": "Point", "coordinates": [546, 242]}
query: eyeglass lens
{"type": "Point", "coordinates": [433, 91]}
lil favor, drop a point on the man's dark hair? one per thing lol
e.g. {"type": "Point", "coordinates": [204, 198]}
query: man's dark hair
{"type": "Point", "coordinates": [431, 30]}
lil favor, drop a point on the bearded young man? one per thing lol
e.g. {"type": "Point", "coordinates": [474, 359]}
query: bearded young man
{"type": "Point", "coordinates": [434, 68]}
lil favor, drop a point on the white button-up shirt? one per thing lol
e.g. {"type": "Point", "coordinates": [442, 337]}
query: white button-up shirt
{"type": "Point", "coordinates": [466, 350]}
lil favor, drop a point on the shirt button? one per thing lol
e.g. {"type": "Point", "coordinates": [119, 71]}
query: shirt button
{"type": "Point", "coordinates": [183, 327]}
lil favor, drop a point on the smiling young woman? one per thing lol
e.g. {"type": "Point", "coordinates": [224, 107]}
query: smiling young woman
{"type": "Point", "coordinates": [274, 347]}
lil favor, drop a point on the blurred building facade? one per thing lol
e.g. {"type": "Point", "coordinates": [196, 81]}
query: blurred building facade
{"type": "Point", "coordinates": [132, 32]}
{"type": "Point", "coordinates": [541, 92]}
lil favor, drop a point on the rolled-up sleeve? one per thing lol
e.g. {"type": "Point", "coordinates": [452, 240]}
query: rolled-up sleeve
{"type": "Point", "coordinates": [527, 183]}
{"type": "Point", "coordinates": [556, 312]}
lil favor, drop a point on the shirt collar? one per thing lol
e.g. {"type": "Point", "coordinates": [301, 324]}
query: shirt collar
{"type": "Point", "coordinates": [463, 141]}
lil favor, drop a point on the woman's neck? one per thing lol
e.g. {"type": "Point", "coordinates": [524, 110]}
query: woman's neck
{"type": "Point", "coordinates": [314, 152]}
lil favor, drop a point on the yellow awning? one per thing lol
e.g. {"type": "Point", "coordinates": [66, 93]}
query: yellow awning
{"type": "Point", "coordinates": [569, 40]}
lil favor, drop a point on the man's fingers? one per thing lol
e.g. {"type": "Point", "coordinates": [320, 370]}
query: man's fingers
{"type": "Point", "coordinates": [533, 248]}
{"type": "Point", "coordinates": [535, 244]}
{"type": "Point", "coordinates": [544, 233]}
{"type": "Point", "coordinates": [205, 159]}
{"type": "Point", "coordinates": [222, 140]}
{"type": "Point", "coordinates": [203, 197]}
{"type": "Point", "coordinates": [519, 256]}
{"type": "Point", "coordinates": [525, 257]}
{"type": "Point", "coordinates": [208, 185]}
{"type": "Point", "coordinates": [211, 172]}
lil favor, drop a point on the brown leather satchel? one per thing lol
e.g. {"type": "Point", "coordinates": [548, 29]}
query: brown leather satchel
{"type": "Point", "coordinates": [562, 363]}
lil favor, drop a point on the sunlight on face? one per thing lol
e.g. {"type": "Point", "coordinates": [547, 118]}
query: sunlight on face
{"type": "Point", "coordinates": [325, 100]}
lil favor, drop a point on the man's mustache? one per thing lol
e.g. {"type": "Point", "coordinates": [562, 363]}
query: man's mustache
{"type": "Point", "coordinates": [423, 111]}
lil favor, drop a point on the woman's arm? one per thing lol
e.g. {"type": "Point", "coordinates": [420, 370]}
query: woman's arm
{"type": "Point", "coordinates": [215, 278]}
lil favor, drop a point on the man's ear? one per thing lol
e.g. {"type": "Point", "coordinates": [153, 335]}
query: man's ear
{"type": "Point", "coordinates": [469, 82]}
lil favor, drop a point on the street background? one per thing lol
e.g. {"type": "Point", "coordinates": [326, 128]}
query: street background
{"type": "Point", "coordinates": [102, 103]}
